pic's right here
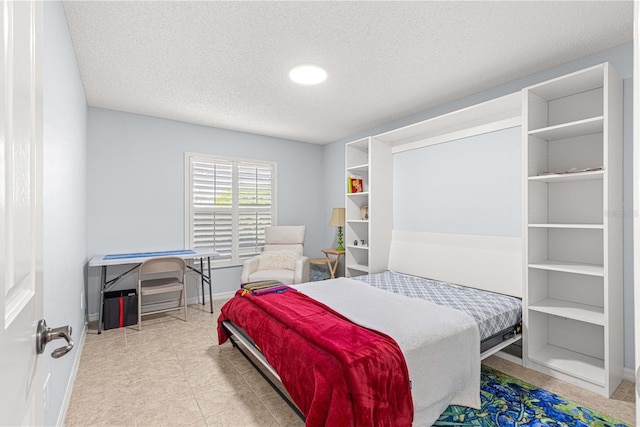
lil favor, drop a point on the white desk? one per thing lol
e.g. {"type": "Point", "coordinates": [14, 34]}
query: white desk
{"type": "Point", "coordinates": [135, 259]}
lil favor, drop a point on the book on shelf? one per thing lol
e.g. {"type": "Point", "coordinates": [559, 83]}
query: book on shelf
{"type": "Point", "coordinates": [354, 184]}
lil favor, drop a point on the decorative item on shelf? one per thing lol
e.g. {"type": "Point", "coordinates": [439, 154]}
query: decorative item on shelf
{"type": "Point", "coordinates": [355, 242]}
{"type": "Point", "coordinates": [363, 242]}
{"type": "Point", "coordinates": [573, 170]}
{"type": "Point", "coordinates": [354, 184]}
{"type": "Point", "coordinates": [364, 213]}
{"type": "Point", "coordinates": [337, 220]}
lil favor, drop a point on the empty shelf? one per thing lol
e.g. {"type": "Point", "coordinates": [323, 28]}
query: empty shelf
{"type": "Point", "coordinates": [570, 310]}
{"type": "Point", "coordinates": [569, 267]}
{"type": "Point", "coordinates": [571, 363]}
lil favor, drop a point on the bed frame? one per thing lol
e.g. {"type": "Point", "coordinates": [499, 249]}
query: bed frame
{"type": "Point", "coordinates": [491, 263]}
{"type": "Point", "coordinates": [248, 349]}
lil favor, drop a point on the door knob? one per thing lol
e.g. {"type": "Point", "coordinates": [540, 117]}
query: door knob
{"type": "Point", "coordinates": [45, 335]}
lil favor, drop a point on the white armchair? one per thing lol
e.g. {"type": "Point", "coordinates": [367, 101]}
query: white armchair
{"type": "Point", "coordinates": [282, 258]}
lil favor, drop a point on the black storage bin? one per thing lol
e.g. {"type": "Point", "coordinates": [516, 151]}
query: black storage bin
{"type": "Point", "coordinates": [120, 309]}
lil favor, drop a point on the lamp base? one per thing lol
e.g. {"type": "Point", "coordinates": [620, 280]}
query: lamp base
{"type": "Point", "coordinates": [340, 247]}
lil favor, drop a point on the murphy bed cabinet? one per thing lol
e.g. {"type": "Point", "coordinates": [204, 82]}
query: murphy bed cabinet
{"type": "Point", "coordinates": [368, 213]}
{"type": "Point", "coordinates": [572, 132]}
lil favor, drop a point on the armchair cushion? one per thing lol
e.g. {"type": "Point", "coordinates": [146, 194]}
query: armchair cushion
{"type": "Point", "coordinates": [277, 260]}
{"type": "Point", "coordinates": [285, 234]}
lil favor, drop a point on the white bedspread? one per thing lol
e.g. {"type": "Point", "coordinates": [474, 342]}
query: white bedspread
{"type": "Point", "coordinates": [441, 345]}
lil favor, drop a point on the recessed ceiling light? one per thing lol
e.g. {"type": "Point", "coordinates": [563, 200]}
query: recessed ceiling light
{"type": "Point", "coordinates": [308, 74]}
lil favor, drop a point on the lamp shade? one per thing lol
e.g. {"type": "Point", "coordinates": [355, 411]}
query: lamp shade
{"type": "Point", "coordinates": [337, 217]}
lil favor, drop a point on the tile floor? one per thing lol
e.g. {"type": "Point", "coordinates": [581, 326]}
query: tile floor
{"type": "Point", "coordinates": [173, 373]}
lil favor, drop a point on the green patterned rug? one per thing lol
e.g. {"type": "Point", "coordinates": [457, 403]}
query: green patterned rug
{"type": "Point", "coordinates": [509, 402]}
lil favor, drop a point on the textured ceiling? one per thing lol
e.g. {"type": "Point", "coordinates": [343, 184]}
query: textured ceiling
{"type": "Point", "coordinates": [226, 64]}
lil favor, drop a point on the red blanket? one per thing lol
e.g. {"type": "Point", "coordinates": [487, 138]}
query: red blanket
{"type": "Point", "coordinates": [338, 373]}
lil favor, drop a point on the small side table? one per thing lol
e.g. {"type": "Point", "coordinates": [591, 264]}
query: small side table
{"type": "Point", "coordinates": [332, 262]}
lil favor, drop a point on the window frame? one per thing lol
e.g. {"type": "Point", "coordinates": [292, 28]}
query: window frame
{"type": "Point", "coordinates": [189, 208]}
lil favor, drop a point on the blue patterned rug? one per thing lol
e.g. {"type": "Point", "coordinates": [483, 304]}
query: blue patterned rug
{"type": "Point", "coordinates": [509, 402]}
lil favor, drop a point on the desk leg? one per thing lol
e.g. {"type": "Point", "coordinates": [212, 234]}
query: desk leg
{"type": "Point", "coordinates": [103, 282]}
{"type": "Point", "coordinates": [210, 286]}
{"type": "Point", "coordinates": [202, 278]}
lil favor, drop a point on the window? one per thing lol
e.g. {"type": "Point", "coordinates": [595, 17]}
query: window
{"type": "Point", "coordinates": [229, 202]}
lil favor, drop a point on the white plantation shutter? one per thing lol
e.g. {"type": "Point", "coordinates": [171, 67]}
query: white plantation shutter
{"type": "Point", "coordinates": [229, 205]}
{"type": "Point", "coordinates": [212, 189]}
{"type": "Point", "coordinates": [254, 205]}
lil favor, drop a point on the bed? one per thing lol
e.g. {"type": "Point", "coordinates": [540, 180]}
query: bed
{"type": "Point", "coordinates": [498, 316]}
{"type": "Point", "coordinates": [439, 341]}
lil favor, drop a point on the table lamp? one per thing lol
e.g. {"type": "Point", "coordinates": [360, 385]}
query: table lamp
{"type": "Point", "coordinates": [337, 220]}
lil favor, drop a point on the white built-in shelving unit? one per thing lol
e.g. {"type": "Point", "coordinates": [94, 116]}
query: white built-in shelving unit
{"type": "Point", "coordinates": [363, 157]}
{"type": "Point", "coordinates": [573, 212]}
{"type": "Point", "coordinates": [573, 228]}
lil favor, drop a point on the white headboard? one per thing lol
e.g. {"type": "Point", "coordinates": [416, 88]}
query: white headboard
{"type": "Point", "coordinates": [492, 263]}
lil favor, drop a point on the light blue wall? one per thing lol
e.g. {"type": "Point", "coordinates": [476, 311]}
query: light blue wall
{"type": "Point", "coordinates": [620, 57]}
{"type": "Point", "coordinates": [471, 185]}
{"type": "Point", "coordinates": [65, 203]}
{"type": "Point", "coordinates": [136, 184]}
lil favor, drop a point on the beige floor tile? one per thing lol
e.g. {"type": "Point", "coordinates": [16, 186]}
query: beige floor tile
{"type": "Point", "coordinates": [101, 346]}
{"type": "Point", "coordinates": [152, 351]}
{"type": "Point", "coordinates": [147, 389]}
{"type": "Point", "coordinates": [191, 341]}
{"type": "Point", "coordinates": [101, 410]}
{"type": "Point", "coordinates": [258, 384]}
{"type": "Point", "coordinates": [156, 332]}
{"type": "Point", "coordinates": [626, 412]}
{"type": "Point", "coordinates": [92, 390]}
{"type": "Point", "coordinates": [255, 416]}
{"type": "Point", "coordinates": [203, 371]}
{"type": "Point", "coordinates": [168, 410]}
{"type": "Point", "coordinates": [222, 395]}
{"type": "Point", "coordinates": [241, 364]}
{"type": "Point", "coordinates": [281, 410]}
{"type": "Point", "coordinates": [117, 358]}
{"type": "Point", "coordinates": [207, 352]}
{"type": "Point", "coordinates": [198, 312]}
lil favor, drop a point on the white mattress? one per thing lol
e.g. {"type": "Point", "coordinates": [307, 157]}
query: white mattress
{"type": "Point", "coordinates": [440, 344]}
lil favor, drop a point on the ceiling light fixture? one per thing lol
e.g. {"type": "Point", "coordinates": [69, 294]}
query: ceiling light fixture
{"type": "Point", "coordinates": [308, 74]}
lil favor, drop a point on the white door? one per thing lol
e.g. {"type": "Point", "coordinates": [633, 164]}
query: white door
{"type": "Point", "coordinates": [20, 212]}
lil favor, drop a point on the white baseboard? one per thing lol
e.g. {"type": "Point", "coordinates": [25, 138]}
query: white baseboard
{"type": "Point", "coordinates": [79, 345]}
{"type": "Point", "coordinates": [216, 297]}
{"type": "Point", "coordinates": [628, 375]}
{"type": "Point", "coordinates": [223, 295]}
